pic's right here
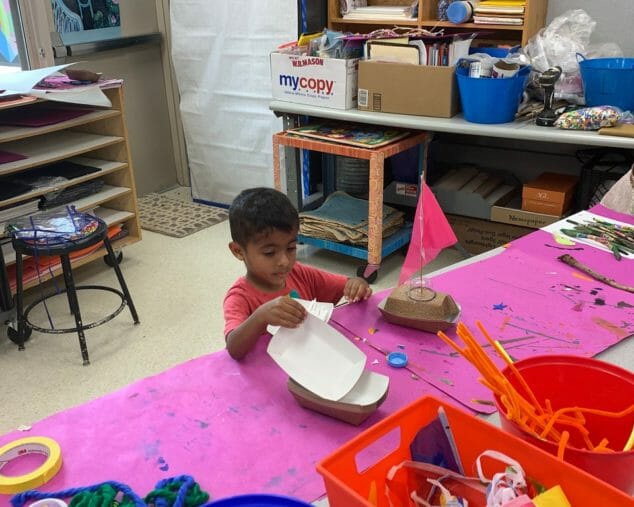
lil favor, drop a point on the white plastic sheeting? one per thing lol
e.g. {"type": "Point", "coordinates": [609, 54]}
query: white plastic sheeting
{"type": "Point", "coordinates": [220, 51]}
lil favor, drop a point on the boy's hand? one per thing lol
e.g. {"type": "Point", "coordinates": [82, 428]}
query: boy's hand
{"type": "Point", "coordinates": [356, 289]}
{"type": "Point", "coordinates": [282, 311]}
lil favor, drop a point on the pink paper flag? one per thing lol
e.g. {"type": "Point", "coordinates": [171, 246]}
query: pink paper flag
{"type": "Point", "coordinates": [438, 234]}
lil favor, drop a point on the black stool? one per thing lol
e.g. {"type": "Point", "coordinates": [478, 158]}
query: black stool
{"type": "Point", "coordinates": [63, 250]}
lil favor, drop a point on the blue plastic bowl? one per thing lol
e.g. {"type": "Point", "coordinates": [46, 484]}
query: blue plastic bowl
{"type": "Point", "coordinates": [258, 500]}
{"type": "Point", "coordinates": [486, 100]}
{"type": "Point", "coordinates": [608, 82]}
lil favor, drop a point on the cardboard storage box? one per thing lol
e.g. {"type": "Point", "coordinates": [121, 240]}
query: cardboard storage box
{"type": "Point", "coordinates": [550, 193]}
{"type": "Point", "coordinates": [408, 89]}
{"type": "Point", "coordinates": [470, 191]}
{"type": "Point", "coordinates": [511, 214]}
{"type": "Point", "coordinates": [477, 236]}
{"type": "Point", "coordinates": [326, 82]}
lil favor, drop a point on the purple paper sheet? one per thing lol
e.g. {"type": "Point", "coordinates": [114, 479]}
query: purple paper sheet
{"type": "Point", "coordinates": [40, 116]}
{"type": "Point", "coordinates": [9, 156]}
{"type": "Point", "coordinates": [234, 426]}
{"type": "Point", "coordinates": [531, 302]}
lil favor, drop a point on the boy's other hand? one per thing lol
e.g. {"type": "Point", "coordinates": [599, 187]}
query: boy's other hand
{"type": "Point", "coordinates": [356, 289]}
{"type": "Point", "coordinates": [282, 311]}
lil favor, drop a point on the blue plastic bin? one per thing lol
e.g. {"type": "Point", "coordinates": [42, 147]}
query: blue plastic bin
{"type": "Point", "coordinates": [487, 100]}
{"type": "Point", "coordinates": [494, 51]}
{"type": "Point", "coordinates": [608, 81]}
{"type": "Point", "coordinates": [258, 500]}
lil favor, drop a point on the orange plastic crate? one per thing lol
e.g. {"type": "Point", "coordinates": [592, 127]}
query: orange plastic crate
{"type": "Point", "coordinates": [357, 470]}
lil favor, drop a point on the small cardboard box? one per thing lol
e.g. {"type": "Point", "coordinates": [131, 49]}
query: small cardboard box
{"type": "Point", "coordinates": [408, 89]}
{"type": "Point", "coordinates": [325, 82]}
{"type": "Point", "coordinates": [550, 193]}
{"type": "Point", "coordinates": [511, 214]}
{"type": "Point", "coordinates": [408, 189]}
{"type": "Point", "coordinates": [478, 236]}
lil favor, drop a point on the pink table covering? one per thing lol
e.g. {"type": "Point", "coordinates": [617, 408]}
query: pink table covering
{"type": "Point", "coordinates": [530, 301]}
{"type": "Point", "coordinates": [236, 428]}
{"type": "Point", "coordinates": [233, 426]}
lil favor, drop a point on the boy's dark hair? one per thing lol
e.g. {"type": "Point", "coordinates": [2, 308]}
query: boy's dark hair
{"type": "Point", "coordinates": [258, 210]}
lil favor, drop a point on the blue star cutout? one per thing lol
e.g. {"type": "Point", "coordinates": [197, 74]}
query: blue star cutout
{"type": "Point", "coordinates": [499, 306]}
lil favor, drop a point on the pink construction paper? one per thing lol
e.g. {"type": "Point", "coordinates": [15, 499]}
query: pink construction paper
{"type": "Point", "coordinates": [233, 426]}
{"type": "Point", "coordinates": [530, 301]}
{"type": "Point", "coordinates": [438, 234]}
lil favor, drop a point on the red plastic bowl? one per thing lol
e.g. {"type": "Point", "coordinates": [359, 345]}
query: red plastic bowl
{"type": "Point", "coordinates": [569, 381]}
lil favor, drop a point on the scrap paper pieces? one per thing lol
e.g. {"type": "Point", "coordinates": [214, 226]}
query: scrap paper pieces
{"type": "Point", "coordinates": [552, 311]}
{"type": "Point", "coordinates": [233, 426]}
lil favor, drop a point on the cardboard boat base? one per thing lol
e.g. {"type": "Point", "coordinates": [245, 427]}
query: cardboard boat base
{"type": "Point", "coordinates": [438, 314]}
{"type": "Point", "coordinates": [351, 413]}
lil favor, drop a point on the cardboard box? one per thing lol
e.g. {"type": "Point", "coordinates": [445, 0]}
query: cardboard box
{"type": "Point", "coordinates": [514, 216]}
{"type": "Point", "coordinates": [408, 189]}
{"type": "Point", "coordinates": [478, 236]}
{"type": "Point", "coordinates": [550, 193]}
{"type": "Point", "coordinates": [470, 191]}
{"type": "Point", "coordinates": [325, 82]}
{"type": "Point", "coordinates": [408, 89]}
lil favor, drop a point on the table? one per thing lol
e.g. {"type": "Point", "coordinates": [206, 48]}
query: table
{"type": "Point", "coordinates": [227, 423]}
{"type": "Point", "coordinates": [519, 130]}
{"type": "Point", "coordinates": [376, 156]}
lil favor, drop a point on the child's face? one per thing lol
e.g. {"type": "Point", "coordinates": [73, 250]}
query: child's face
{"type": "Point", "coordinates": [268, 258]}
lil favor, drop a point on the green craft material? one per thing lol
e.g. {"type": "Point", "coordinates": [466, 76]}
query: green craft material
{"type": "Point", "coordinates": [195, 496]}
{"type": "Point", "coordinates": [105, 496]}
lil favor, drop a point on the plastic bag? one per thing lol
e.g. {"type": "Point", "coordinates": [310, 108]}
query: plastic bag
{"type": "Point", "coordinates": [54, 228]}
{"type": "Point", "coordinates": [589, 118]}
{"type": "Point", "coordinates": [559, 43]}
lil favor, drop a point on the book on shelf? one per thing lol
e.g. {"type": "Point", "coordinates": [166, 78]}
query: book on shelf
{"type": "Point", "coordinates": [379, 12]}
{"type": "Point", "coordinates": [487, 11]}
{"type": "Point", "coordinates": [399, 53]}
{"type": "Point", "coordinates": [362, 136]}
{"type": "Point", "coordinates": [498, 20]}
{"type": "Point", "coordinates": [488, 7]}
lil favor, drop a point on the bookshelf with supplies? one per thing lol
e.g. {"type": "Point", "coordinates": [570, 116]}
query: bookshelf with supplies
{"type": "Point", "coordinates": [54, 155]}
{"type": "Point", "coordinates": [509, 22]}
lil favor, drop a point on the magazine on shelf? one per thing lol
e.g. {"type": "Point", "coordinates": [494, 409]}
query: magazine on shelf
{"type": "Point", "coordinates": [363, 136]}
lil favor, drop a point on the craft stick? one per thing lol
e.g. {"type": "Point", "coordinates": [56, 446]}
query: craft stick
{"type": "Point", "coordinates": [503, 353]}
{"type": "Point", "coordinates": [630, 441]}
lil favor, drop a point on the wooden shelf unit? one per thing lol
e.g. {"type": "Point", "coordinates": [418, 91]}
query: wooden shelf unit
{"type": "Point", "coordinates": [98, 139]}
{"type": "Point", "coordinates": [534, 19]}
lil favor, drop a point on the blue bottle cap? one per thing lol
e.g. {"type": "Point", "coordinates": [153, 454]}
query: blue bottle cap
{"type": "Point", "coordinates": [459, 12]}
{"type": "Point", "coordinates": [397, 359]}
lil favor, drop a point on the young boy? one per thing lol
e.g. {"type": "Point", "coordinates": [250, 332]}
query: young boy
{"type": "Point", "coordinates": [264, 226]}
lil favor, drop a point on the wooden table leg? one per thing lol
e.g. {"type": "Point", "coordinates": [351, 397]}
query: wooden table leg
{"type": "Point", "coordinates": [277, 180]}
{"type": "Point", "coordinates": [375, 210]}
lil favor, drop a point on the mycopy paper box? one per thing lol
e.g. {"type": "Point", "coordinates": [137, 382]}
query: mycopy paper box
{"type": "Point", "coordinates": [325, 82]}
{"type": "Point", "coordinates": [404, 88]}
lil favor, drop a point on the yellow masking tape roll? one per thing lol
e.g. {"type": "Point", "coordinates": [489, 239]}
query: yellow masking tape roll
{"type": "Point", "coordinates": [34, 445]}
